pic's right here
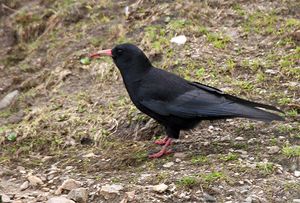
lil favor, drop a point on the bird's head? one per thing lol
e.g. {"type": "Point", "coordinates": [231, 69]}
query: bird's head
{"type": "Point", "coordinates": [128, 58]}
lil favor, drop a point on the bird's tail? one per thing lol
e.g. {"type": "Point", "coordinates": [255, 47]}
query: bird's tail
{"type": "Point", "coordinates": [254, 110]}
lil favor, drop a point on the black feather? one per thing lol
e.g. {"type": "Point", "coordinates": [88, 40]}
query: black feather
{"type": "Point", "coordinates": [175, 102]}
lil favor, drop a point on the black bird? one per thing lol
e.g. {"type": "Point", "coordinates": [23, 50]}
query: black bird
{"type": "Point", "coordinates": [174, 102]}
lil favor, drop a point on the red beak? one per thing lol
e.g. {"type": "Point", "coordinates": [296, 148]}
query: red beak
{"type": "Point", "coordinates": [106, 52]}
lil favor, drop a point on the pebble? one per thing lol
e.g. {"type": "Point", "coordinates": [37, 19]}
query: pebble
{"type": "Point", "coordinates": [5, 198]}
{"type": "Point", "coordinates": [248, 200]}
{"type": "Point", "coordinates": [251, 141]}
{"type": "Point", "coordinates": [296, 200]}
{"type": "Point", "coordinates": [21, 169]}
{"type": "Point", "coordinates": [271, 71]}
{"type": "Point", "coordinates": [239, 139]}
{"type": "Point", "coordinates": [69, 185]}
{"type": "Point", "coordinates": [45, 189]}
{"type": "Point", "coordinates": [184, 195]}
{"type": "Point", "coordinates": [79, 195]}
{"type": "Point", "coordinates": [8, 99]}
{"type": "Point", "coordinates": [110, 191]}
{"type": "Point", "coordinates": [168, 165]}
{"type": "Point", "coordinates": [24, 186]}
{"type": "Point", "coordinates": [59, 200]}
{"type": "Point", "coordinates": [273, 149]}
{"type": "Point", "coordinates": [225, 138]}
{"type": "Point", "coordinates": [50, 177]}
{"type": "Point", "coordinates": [34, 180]}
{"type": "Point", "coordinates": [180, 155]}
{"type": "Point", "coordinates": [177, 160]}
{"type": "Point", "coordinates": [180, 40]}
{"type": "Point", "coordinates": [209, 198]}
{"type": "Point", "coordinates": [89, 155]}
{"type": "Point", "coordinates": [160, 188]}
{"type": "Point", "coordinates": [242, 152]}
{"type": "Point", "coordinates": [297, 173]}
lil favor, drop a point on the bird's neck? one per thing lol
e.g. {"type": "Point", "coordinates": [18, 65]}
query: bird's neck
{"type": "Point", "coordinates": [132, 74]}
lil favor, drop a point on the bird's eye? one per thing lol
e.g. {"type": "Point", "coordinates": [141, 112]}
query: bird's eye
{"type": "Point", "coordinates": [120, 51]}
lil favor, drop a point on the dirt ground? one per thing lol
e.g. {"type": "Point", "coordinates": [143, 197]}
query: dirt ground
{"type": "Point", "coordinates": [65, 121]}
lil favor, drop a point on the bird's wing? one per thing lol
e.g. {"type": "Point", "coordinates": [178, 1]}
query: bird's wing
{"type": "Point", "coordinates": [209, 102]}
{"type": "Point", "coordinates": [234, 98]}
{"type": "Point", "coordinates": [191, 104]}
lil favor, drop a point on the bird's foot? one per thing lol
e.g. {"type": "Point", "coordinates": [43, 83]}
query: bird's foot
{"type": "Point", "coordinates": [164, 150]}
{"type": "Point", "coordinates": [161, 141]}
{"type": "Point", "coordinates": [160, 153]}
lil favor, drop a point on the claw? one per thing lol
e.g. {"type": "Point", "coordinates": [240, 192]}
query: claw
{"type": "Point", "coordinates": [161, 141]}
{"type": "Point", "coordinates": [167, 142]}
{"type": "Point", "coordinates": [160, 153]}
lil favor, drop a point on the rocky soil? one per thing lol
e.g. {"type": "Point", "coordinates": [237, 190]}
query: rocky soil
{"type": "Point", "coordinates": [69, 133]}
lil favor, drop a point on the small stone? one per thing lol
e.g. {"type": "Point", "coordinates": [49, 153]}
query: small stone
{"type": "Point", "coordinates": [177, 160]}
{"type": "Point", "coordinates": [273, 149]}
{"type": "Point", "coordinates": [239, 139]}
{"type": "Point", "coordinates": [89, 155]}
{"type": "Point", "coordinates": [248, 200]}
{"type": "Point", "coordinates": [180, 40]}
{"type": "Point", "coordinates": [5, 198]}
{"type": "Point", "coordinates": [50, 177]}
{"type": "Point", "coordinates": [209, 198]}
{"type": "Point", "coordinates": [79, 195]}
{"type": "Point", "coordinates": [45, 189]}
{"type": "Point", "coordinates": [8, 99]}
{"type": "Point", "coordinates": [160, 188]}
{"type": "Point", "coordinates": [110, 191]}
{"type": "Point", "coordinates": [70, 184]}
{"type": "Point", "coordinates": [24, 186]}
{"type": "Point", "coordinates": [168, 165]}
{"type": "Point", "coordinates": [34, 180]}
{"type": "Point", "coordinates": [271, 71]}
{"type": "Point", "coordinates": [296, 200]}
{"type": "Point", "coordinates": [251, 141]}
{"type": "Point", "coordinates": [17, 201]}
{"type": "Point", "coordinates": [59, 200]}
{"type": "Point", "coordinates": [21, 169]}
{"type": "Point", "coordinates": [297, 173]}
{"type": "Point", "coordinates": [130, 195]}
{"type": "Point", "coordinates": [180, 155]}
{"type": "Point", "coordinates": [206, 143]}
{"type": "Point", "coordinates": [243, 152]}
{"type": "Point", "coordinates": [184, 195]}
{"type": "Point", "coordinates": [225, 138]}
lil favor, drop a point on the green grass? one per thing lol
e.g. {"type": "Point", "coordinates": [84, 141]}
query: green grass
{"type": "Point", "coordinates": [218, 40]}
{"type": "Point", "coordinates": [292, 113]}
{"type": "Point", "coordinates": [291, 151]}
{"type": "Point", "coordinates": [266, 168]}
{"type": "Point", "coordinates": [229, 157]}
{"type": "Point", "coordinates": [261, 23]}
{"type": "Point", "coordinates": [187, 181]}
{"type": "Point", "coordinates": [199, 159]}
{"type": "Point", "coordinates": [157, 37]}
{"type": "Point", "coordinates": [213, 177]}
{"type": "Point", "coordinates": [178, 24]}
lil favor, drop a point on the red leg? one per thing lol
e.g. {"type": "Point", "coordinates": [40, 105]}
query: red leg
{"type": "Point", "coordinates": [161, 141]}
{"type": "Point", "coordinates": [164, 150]}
